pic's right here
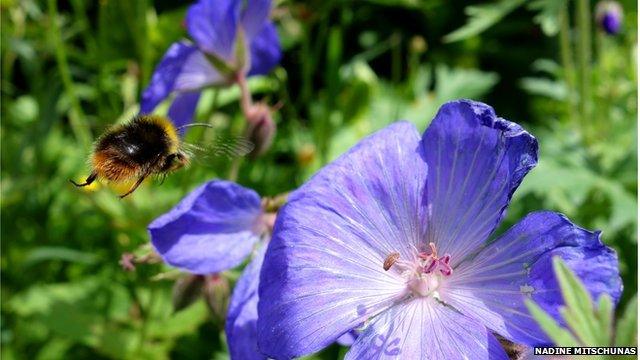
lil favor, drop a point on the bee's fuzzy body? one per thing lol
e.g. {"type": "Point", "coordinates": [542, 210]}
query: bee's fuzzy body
{"type": "Point", "coordinates": [134, 148]}
{"type": "Point", "coordinates": [144, 146]}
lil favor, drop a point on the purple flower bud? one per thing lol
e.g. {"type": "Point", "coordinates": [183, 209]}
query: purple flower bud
{"type": "Point", "coordinates": [216, 295]}
{"type": "Point", "coordinates": [261, 128]}
{"type": "Point", "coordinates": [609, 16]}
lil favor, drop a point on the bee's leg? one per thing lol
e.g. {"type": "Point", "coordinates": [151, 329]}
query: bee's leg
{"type": "Point", "coordinates": [135, 186]}
{"type": "Point", "coordinates": [91, 178]}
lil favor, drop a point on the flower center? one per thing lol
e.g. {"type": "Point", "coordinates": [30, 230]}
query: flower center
{"type": "Point", "coordinates": [423, 274]}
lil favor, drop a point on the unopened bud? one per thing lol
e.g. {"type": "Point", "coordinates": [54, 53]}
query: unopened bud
{"type": "Point", "coordinates": [609, 16]}
{"type": "Point", "coordinates": [418, 44]}
{"type": "Point", "coordinates": [216, 294]}
{"type": "Point", "coordinates": [261, 128]}
{"type": "Point", "coordinates": [186, 291]}
{"type": "Point", "coordinates": [306, 154]}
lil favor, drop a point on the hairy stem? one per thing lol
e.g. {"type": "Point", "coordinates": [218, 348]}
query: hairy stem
{"type": "Point", "coordinates": [76, 115]}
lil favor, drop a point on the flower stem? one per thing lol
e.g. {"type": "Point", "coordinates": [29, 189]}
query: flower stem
{"type": "Point", "coordinates": [245, 95]}
{"type": "Point", "coordinates": [584, 56]}
{"type": "Point", "coordinates": [234, 169]}
{"type": "Point", "coordinates": [568, 64]}
{"type": "Point", "coordinates": [246, 103]}
{"type": "Point", "coordinates": [76, 115]}
{"type": "Point", "coordinates": [272, 204]}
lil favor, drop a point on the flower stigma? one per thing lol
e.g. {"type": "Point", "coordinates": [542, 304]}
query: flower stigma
{"type": "Point", "coordinates": [423, 275]}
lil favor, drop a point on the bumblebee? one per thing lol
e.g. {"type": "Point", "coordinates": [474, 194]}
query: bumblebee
{"type": "Point", "coordinates": [147, 145]}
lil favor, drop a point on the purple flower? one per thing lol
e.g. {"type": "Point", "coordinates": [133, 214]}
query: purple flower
{"type": "Point", "coordinates": [215, 228]}
{"type": "Point", "coordinates": [609, 16]}
{"type": "Point", "coordinates": [229, 37]}
{"type": "Point", "coordinates": [392, 239]}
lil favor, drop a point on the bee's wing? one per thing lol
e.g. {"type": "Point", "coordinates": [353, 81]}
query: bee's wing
{"type": "Point", "coordinates": [221, 146]}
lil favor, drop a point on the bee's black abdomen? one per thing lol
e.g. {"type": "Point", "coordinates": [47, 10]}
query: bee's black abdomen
{"type": "Point", "coordinates": [141, 142]}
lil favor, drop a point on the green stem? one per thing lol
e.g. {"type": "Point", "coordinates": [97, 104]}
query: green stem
{"type": "Point", "coordinates": [246, 103]}
{"type": "Point", "coordinates": [584, 55]}
{"type": "Point", "coordinates": [568, 65]}
{"type": "Point", "coordinates": [76, 115]}
{"type": "Point", "coordinates": [272, 204]}
{"type": "Point", "coordinates": [234, 169]}
{"type": "Point", "coordinates": [396, 58]}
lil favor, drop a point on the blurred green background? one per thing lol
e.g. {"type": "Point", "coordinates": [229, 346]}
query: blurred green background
{"type": "Point", "coordinates": [70, 69]}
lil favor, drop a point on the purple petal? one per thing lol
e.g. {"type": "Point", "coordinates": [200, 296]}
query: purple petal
{"type": "Point", "coordinates": [243, 312]}
{"type": "Point", "coordinates": [476, 161]}
{"type": "Point", "coordinates": [213, 24]}
{"type": "Point", "coordinates": [254, 16]}
{"type": "Point", "coordinates": [265, 50]}
{"type": "Point", "coordinates": [197, 73]}
{"type": "Point", "coordinates": [182, 109]}
{"type": "Point", "coordinates": [182, 68]}
{"type": "Point", "coordinates": [348, 338]}
{"type": "Point", "coordinates": [165, 74]}
{"type": "Point", "coordinates": [213, 229]}
{"type": "Point", "coordinates": [492, 285]}
{"type": "Point", "coordinates": [323, 273]}
{"type": "Point", "coordinates": [420, 327]}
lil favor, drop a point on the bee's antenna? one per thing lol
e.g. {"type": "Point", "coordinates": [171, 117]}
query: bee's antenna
{"type": "Point", "coordinates": [195, 124]}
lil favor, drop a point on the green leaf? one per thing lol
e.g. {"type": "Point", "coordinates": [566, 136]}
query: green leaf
{"type": "Point", "coordinates": [587, 326]}
{"type": "Point", "coordinates": [552, 89]}
{"type": "Point", "coordinates": [605, 319]}
{"type": "Point", "coordinates": [45, 253]}
{"type": "Point", "coordinates": [548, 16]}
{"type": "Point", "coordinates": [579, 309]}
{"type": "Point", "coordinates": [627, 327]}
{"type": "Point", "coordinates": [482, 17]}
{"type": "Point", "coordinates": [557, 333]}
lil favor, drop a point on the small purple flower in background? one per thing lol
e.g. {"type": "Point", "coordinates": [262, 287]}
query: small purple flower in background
{"type": "Point", "coordinates": [609, 16]}
{"type": "Point", "coordinates": [391, 239]}
{"type": "Point", "coordinates": [215, 228]}
{"type": "Point", "coordinates": [231, 37]}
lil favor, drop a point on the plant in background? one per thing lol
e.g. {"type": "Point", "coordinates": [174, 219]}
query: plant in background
{"type": "Point", "coordinates": [609, 16]}
{"type": "Point", "coordinates": [233, 39]}
{"type": "Point", "coordinates": [391, 239]}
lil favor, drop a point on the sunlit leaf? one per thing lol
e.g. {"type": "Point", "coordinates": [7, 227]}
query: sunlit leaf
{"type": "Point", "coordinates": [627, 326]}
{"type": "Point", "coordinates": [559, 335]}
{"type": "Point", "coordinates": [548, 14]}
{"type": "Point", "coordinates": [482, 17]}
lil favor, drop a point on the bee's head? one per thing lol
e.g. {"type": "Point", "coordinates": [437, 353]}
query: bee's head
{"type": "Point", "coordinates": [175, 161]}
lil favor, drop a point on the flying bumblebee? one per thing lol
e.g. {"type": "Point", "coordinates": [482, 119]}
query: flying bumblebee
{"type": "Point", "coordinates": [149, 145]}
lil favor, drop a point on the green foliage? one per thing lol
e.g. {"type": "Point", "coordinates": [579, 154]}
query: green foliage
{"type": "Point", "coordinates": [72, 69]}
{"type": "Point", "coordinates": [587, 324]}
{"type": "Point", "coordinates": [547, 17]}
{"type": "Point", "coordinates": [482, 17]}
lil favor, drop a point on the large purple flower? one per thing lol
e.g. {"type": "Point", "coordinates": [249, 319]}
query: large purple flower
{"type": "Point", "coordinates": [229, 37]}
{"type": "Point", "coordinates": [215, 228]}
{"type": "Point", "coordinates": [392, 239]}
